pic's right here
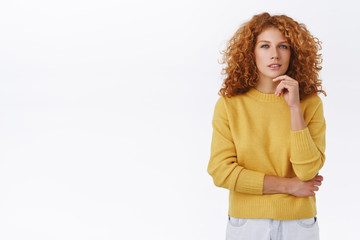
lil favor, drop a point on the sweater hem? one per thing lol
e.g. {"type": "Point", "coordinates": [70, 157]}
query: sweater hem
{"type": "Point", "coordinates": [271, 206]}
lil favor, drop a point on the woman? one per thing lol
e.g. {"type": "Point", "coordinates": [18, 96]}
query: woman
{"type": "Point", "coordinates": [268, 138]}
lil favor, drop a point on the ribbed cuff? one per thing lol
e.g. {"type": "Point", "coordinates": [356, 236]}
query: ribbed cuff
{"type": "Point", "coordinates": [250, 182]}
{"type": "Point", "coordinates": [303, 148]}
{"type": "Point", "coordinates": [301, 140]}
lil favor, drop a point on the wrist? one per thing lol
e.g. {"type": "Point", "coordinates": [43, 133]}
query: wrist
{"type": "Point", "coordinates": [275, 184]}
{"type": "Point", "coordinates": [287, 186]}
{"type": "Point", "coordinates": [297, 119]}
{"type": "Point", "coordinates": [295, 108]}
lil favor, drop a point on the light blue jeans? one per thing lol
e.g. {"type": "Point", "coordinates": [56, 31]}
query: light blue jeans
{"type": "Point", "coordinates": [270, 229]}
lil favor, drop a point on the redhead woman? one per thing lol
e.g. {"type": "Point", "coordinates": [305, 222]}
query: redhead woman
{"type": "Point", "coordinates": [268, 139]}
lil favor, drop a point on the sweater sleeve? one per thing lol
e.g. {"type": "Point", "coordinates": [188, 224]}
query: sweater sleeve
{"type": "Point", "coordinates": [223, 166]}
{"type": "Point", "coordinates": [308, 146]}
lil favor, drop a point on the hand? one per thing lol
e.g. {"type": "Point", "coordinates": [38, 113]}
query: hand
{"type": "Point", "coordinates": [290, 88]}
{"type": "Point", "coordinates": [299, 188]}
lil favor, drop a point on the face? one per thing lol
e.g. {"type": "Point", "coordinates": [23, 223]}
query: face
{"type": "Point", "coordinates": [272, 54]}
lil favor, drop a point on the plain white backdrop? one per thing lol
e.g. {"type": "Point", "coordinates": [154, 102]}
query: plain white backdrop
{"type": "Point", "coordinates": [106, 109]}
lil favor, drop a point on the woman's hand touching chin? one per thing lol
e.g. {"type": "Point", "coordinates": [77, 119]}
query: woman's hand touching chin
{"type": "Point", "coordinates": [290, 89]}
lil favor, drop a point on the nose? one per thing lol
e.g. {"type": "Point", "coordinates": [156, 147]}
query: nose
{"type": "Point", "coordinates": [274, 54]}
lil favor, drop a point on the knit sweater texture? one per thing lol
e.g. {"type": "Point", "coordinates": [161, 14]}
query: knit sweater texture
{"type": "Point", "coordinates": [252, 137]}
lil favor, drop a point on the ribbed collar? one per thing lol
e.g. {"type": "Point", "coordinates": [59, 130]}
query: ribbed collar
{"type": "Point", "coordinates": [264, 97]}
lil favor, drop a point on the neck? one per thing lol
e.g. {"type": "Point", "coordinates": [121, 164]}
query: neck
{"type": "Point", "coordinates": [266, 86]}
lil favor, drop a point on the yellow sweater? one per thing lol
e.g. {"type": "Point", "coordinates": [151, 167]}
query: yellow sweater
{"type": "Point", "coordinates": [252, 137]}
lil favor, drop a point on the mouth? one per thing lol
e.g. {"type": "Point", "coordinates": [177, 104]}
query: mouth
{"type": "Point", "coordinates": [274, 66]}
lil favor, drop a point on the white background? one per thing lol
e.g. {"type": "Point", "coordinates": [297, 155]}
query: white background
{"type": "Point", "coordinates": [106, 108]}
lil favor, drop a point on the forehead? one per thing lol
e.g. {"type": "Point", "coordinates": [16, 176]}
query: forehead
{"type": "Point", "coordinates": [271, 34]}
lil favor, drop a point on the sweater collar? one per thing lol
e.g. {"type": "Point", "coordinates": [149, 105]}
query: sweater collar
{"type": "Point", "coordinates": [264, 97]}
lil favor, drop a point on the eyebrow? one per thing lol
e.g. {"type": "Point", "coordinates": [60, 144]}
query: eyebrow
{"type": "Point", "coordinates": [269, 41]}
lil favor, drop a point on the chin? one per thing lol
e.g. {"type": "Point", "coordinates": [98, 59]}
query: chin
{"type": "Point", "coordinates": [275, 74]}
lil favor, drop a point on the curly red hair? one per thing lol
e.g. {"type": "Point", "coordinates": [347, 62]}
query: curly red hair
{"type": "Point", "coordinates": [304, 66]}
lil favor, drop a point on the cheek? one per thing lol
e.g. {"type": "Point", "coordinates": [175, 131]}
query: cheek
{"type": "Point", "coordinates": [288, 55]}
{"type": "Point", "coordinates": [288, 62]}
{"type": "Point", "coordinates": [258, 57]}
{"type": "Point", "coordinates": [286, 58]}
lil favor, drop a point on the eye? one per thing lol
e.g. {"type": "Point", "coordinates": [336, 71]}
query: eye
{"type": "Point", "coordinates": [284, 46]}
{"type": "Point", "coordinates": [264, 46]}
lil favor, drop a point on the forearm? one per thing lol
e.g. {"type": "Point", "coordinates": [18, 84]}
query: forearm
{"type": "Point", "coordinates": [293, 186]}
{"type": "Point", "coordinates": [297, 119]}
{"type": "Point", "coordinates": [274, 184]}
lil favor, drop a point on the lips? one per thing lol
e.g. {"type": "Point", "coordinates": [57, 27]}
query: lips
{"type": "Point", "coordinates": [274, 65]}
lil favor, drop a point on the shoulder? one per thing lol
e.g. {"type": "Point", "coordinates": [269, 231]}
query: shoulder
{"type": "Point", "coordinates": [225, 102]}
{"type": "Point", "coordinates": [220, 106]}
{"type": "Point", "coordinates": [224, 105]}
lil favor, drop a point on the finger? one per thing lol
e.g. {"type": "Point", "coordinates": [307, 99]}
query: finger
{"type": "Point", "coordinates": [315, 188]}
{"type": "Point", "coordinates": [282, 77]}
{"type": "Point", "coordinates": [291, 84]}
{"type": "Point", "coordinates": [317, 184]}
{"type": "Point", "coordinates": [279, 89]}
{"type": "Point", "coordinates": [319, 178]}
{"type": "Point", "coordinates": [311, 194]}
{"type": "Point", "coordinates": [318, 181]}
{"type": "Point", "coordinates": [278, 79]}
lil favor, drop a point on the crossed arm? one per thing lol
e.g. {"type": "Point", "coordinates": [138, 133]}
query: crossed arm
{"type": "Point", "coordinates": [307, 154]}
{"type": "Point", "coordinates": [293, 186]}
{"type": "Point", "coordinates": [227, 173]}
